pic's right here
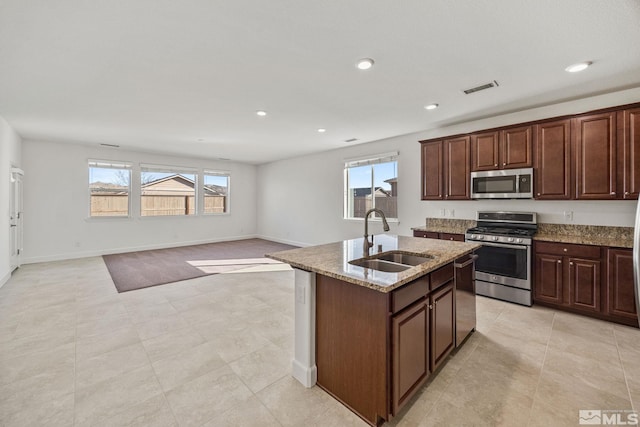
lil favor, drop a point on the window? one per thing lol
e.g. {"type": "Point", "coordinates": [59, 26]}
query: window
{"type": "Point", "coordinates": [109, 188]}
{"type": "Point", "coordinates": [371, 183]}
{"type": "Point", "coordinates": [216, 192]}
{"type": "Point", "coordinates": [167, 190]}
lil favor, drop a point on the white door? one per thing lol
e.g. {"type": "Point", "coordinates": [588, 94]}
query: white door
{"type": "Point", "coordinates": [15, 217]}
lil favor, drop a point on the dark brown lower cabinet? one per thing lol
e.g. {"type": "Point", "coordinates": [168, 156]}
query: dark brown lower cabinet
{"type": "Point", "coordinates": [548, 286]}
{"type": "Point", "coordinates": [375, 350]}
{"type": "Point", "coordinates": [410, 356]}
{"type": "Point", "coordinates": [443, 315]}
{"type": "Point", "coordinates": [621, 299]}
{"type": "Point", "coordinates": [585, 279]}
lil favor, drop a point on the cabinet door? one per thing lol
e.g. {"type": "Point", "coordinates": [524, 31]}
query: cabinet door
{"type": "Point", "coordinates": [584, 284]}
{"type": "Point", "coordinates": [457, 179]}
{"type": "Point", "coordinates": [485, 148]}
{"type": "Point", "coordinates": [410, 359]}
{"type": "Point", "coordinates": [548, 278]}
{"type": "Point", "coordinates": [516, 147]}
{"type": "Point", "coordinates": [621, 298]}
{"type": "Point", "coordinates": [432, 173]}
{"type": "Point", "coordinates": [442, 305]}
{"type": "Point", "coordinates": [553, 160]}
{"type": "Point", "coordinates": [595, 148]}
{"type": "Point", "coordinates": [629, 158]}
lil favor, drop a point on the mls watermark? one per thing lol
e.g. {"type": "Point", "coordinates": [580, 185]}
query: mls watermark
{"type": "Point", "coordinates": [608, 417]}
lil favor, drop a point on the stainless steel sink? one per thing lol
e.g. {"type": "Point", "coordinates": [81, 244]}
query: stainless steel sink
{"type": "Point", "coordinates": [403, 258]}
{"type": "Point", "coordinates": [380, 265]}
{"type": "Point", "coordinates": [392, 262]}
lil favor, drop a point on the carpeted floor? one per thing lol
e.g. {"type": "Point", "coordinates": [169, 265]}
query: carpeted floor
{"type": "Point", "coordinates": [137, 270]}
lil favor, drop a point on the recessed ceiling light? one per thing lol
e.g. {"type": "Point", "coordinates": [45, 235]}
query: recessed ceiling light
{"type": "Point", "coordinates": [261, 113]}
{"type": "Point", "coordinates": [431, 106]}
{"type": "Point", "coordinates": [365, 63]}
{"type": "Point", "coordinates": [322, 130]}
{"type": "Point", "coordinates": [578, 67]}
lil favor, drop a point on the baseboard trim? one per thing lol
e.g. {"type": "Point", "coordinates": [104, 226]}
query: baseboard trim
{"type": "Point", "coordinates": [88, 254]}
{"type": "Point", "coordinates": [5, 279]}
{"type": "Point", "coordinates": [285, 241]}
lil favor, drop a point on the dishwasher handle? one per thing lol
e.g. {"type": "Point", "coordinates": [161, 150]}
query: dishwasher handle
{"type": "Point", "coordinates": [471, 260]}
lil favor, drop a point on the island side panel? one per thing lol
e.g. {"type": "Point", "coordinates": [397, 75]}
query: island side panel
{"type": "Point", "coordinates": [351, 346]}
{"type": "Point", "coordinates": [304, 362]}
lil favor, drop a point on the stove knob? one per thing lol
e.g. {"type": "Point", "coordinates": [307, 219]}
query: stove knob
{"type": "Point", "coordinates": [510, 239]}
{"type": "Point", "coordinates": [519, 240]}
{"type": "Point", "coordinates": [494, 238]}
{"type": "Point", "coordinates": [473, 236]}
{"type": "Point", "coordinates": [480, 237]}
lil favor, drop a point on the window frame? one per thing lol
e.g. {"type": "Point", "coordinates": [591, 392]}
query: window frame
{"type": "Point", "coordinates": [211, 172]}
{"type": "Point", "coordinates": [372, 160]}
{"type": "Point", "coordinates": [176, 170]}
{"type": "Point", "coordinates": [110, 164]}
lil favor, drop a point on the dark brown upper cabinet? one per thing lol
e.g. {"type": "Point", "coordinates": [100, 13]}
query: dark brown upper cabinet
{"type": "Point", "coordinates": [502, 149]}
{"type": "Point", "coordinates": [553, 160]}
{"type": "Point", "coordinates": [629, 153]}
{"type": "Point", "coordinates": [591, 156]}
{"type": "Point", "coordinates": [445, 169]}
{"type": "Point", "coordinates": [432, 177]}
{"type": "Point", "coordinates": [594, 142]}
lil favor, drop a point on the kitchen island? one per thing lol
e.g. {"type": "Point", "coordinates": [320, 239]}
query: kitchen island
{"type": "Point", "coordinates": [371, 338]}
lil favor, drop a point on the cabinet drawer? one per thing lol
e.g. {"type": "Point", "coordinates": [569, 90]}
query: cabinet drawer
{"type": "Point", "coordinates": [452, 236]}
{"type": "Point", "coordinates": [409, 293]}
{"type": "Point", "coordinates": [569, 249]}
{"type": "Point", "coordinates": [427, 234]}
{"type": "Point", "coordinates": [441, 276]}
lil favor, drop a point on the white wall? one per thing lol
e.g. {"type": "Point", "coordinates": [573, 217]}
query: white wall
{"type": "Point", "coordinates": [301, 199]}
{"type": "Point", "coordinates": [56, 200]}
{"type": "Point", "coordinates": [10, 144]}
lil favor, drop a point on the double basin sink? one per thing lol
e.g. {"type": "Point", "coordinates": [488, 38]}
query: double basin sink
{"type": "Point", "coordinates": [391, 262]}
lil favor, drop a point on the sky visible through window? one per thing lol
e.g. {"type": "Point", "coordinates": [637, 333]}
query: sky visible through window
{"type": "Point", "coordinates": [113, 176]}
{"type": "Point", "coordinates": [360, 177]}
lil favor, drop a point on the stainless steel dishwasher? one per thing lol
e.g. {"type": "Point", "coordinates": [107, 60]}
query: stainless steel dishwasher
{"type": "Point", "coordinates": [465, 296]}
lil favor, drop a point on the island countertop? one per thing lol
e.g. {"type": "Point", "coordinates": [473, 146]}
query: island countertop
{"type": "Point", "coordinates": [332, 259]}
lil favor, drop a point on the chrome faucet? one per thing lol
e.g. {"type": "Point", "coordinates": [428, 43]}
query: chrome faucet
{"type": "Point", "coordinates": [385, 227]}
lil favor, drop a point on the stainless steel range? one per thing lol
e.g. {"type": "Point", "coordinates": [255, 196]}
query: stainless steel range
{"type": "Point", "coordinates": [503, 268]}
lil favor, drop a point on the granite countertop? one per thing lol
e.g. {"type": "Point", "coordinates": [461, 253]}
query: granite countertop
{"type": "Point", "coordinates": [332, 259]}
{"type": "Point", "coordinates": [441, 225]}
{"type": "Point", "coordinates": [596, 235]}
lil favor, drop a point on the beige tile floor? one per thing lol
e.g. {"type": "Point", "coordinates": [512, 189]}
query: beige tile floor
{"type": "Point", "coordinates": [215, 351]}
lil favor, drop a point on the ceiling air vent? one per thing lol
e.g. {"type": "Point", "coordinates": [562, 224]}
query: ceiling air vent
{"type": "Point", "coordinates": [351, 140]}
{"type": "Point", "coordinates": [110, 145]}
{"type": "Point", "coordinates": [481, 87]}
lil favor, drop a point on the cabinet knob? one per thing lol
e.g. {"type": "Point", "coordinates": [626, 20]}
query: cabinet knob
{"type": "Point", "coordinates": [565, 249]}
{"type": "Point", "coordinates": [450, 238]}
{"type": "Point", "coordinates": [430, 307]}
{"type": "Point", "coordinates": [504, 164]}
{"type": "Point", "coordinates": [496, 165]}
{"type": "Point", "coordinates": [538, 194]}
{"type": "Point", "coordinates": [613, 193]}
{"type": "Point", "coordinates": [626, 193]}
{"type": "Point", "coordinates": [559, 262]}
{"type": "Point", "coordinates": [570, 263]}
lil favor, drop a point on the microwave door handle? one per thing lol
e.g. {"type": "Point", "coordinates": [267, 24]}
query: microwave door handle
{"type": "Point", "coordinates": [518, 184]}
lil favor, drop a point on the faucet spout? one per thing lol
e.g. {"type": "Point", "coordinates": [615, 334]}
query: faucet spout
{"type": "Point", "coordinates": [385, 227]}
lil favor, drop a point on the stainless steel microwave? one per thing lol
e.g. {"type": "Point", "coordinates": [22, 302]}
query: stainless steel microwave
{"type": "Point", "coordinates": [502, 184]}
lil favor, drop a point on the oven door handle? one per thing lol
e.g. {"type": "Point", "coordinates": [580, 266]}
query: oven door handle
{"type": "Point", "coordinates": [501, 245]}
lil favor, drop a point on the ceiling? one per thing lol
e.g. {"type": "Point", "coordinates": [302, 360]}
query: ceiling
{"type": "Point", "coordinates": [187, 77]}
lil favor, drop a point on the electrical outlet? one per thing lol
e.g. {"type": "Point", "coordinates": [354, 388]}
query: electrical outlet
{"type": "Point", "coordinates": [568, 216]}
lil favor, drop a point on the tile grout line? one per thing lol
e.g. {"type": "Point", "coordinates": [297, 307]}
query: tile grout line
{"type": "Point", "coordinates": [544, 359]}
{"type": "Point", "coordinates": [624, 371]}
